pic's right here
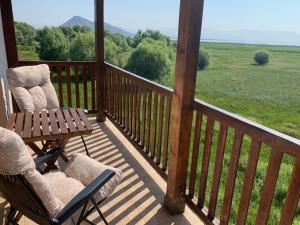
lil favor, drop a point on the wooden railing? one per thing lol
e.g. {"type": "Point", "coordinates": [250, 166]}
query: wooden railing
{"type": "Point", "coordinates": [74, 82]}
{"type": "Point", "coordinates": [213, 129]}
{"type": "Point", "coordinates": [141, 109]}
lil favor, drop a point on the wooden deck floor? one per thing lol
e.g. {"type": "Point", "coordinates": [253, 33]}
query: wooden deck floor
{"type": "Point", "coordinates": [139, 199]}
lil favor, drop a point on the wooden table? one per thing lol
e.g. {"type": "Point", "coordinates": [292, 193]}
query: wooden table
{"type": "Point", "coordinates": [49, 126]}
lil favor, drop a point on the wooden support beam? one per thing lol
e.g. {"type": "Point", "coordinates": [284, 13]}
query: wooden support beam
{"type": "Point", "coordinates": [9, 33]}
{"type": "Point", "coordinates": [99, 34]}
{"type": "Point", "coordinates": [190, 23]}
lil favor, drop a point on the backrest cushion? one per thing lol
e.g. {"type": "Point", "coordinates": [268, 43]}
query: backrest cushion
{"type": "Point", "coordinates": [14, 156]}
{"type": "Point", "coordinates": [32, 88]}
{"type": "Point", "coordinates": [16, 159]}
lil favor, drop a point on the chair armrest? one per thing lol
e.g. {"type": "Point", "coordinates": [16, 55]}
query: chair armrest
{"type": "Point", "coordinates": [53, 154]}
{"type": "Point", "coordinates": [82, 197]}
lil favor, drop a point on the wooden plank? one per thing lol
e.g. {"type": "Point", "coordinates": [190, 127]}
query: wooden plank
{"type": "Point", "coordinates": [292, 197]}
{"type": "Point", "coordinates": [69, 89]}
{"type": "Point", "coordinates": [60, 88]}
{"type": "Point", "coordinates": [53, 122]}
{"type": "Point", "coordinates": [69, 120]}
{"type": "Point", "coordinates": [127, 106]}
{"type": "Point", "coordinates": [131, 107]}
{"type": "Point", "coordinates": [159, 129]}
{"type": "Point", "coordinates": [195, 154]}
{"type": "Point", "coordinates": [148, 133]}
{"type": "Point", "coordinates": [93, 88]}
{"type": "Point", "coordinates": [61, 122]}
{"type": "Point", "coordinates": [248, 182]}
{"type": "Point", "coordinates": [77, 120]}
{"type": "Point", "coordinates": [137, 115]}
{"type": "Point", "coordinates": [205, 161]}
{"type": "Point", "coordinates": [45, 123]}
{"type": "Point", "coordinates": [77, 87]}
{"type": "Point", "coordinates": [36, 132]}
{"type": "Point", "coordinates": [217, 171]}
{"type": "Point", "coordinates": [19, 124]}
{"type": "Point", "coordinates": [144, 116]}
{"type": "Point", "coordinates": [85, 87]}
{"type": "Point", "coordinates": [9, 33]}
{"type": "Point", "coordinates": [28, 125]}
{"type": "Point", "coordinates": [11, 121]}
{"type": "Point", "coordinates": [154, 125]}
{"type": "Point", "coordinates": [123, 102]}
{"type": "Point", "coordinates": [232, 170]}
{"type": "Point", "coordinates": [269, 187]}
{"type": "Point", "coordinates": [166, 134]}
{"type": "Point", "coordinates": [99, 41]}
{"type": "Point", "coordinates": [85, 120]}
{"type": "Point", "coordinates": [190, 23]}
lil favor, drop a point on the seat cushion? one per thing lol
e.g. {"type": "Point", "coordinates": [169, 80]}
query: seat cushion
{"type": "Point", "coordinates": [32, 88]}
{"type": "Point", "coordinates": [86, 169]}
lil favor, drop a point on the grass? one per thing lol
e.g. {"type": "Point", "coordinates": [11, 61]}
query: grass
{"type": "Point", "coordinates": [269, 95]}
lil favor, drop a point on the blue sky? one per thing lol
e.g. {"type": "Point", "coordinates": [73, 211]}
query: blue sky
{"type": "Point", "coordinates": [266, 15]}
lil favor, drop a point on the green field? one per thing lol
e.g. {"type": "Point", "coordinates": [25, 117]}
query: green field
{"type": "Point", "coordinates": [269, 95]}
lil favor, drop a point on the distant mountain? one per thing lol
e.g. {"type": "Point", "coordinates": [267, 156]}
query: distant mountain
{"type": "Point", "coordinates": [78, 20]}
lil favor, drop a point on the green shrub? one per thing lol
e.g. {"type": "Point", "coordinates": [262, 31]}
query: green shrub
{"type": "Point", "coordinates": [82, 47]}
{"type": "Point", "coordinates": [203, 59]}
{"type": "Point", "coordinates": [151, 59]}
{"type": "Point", "coordinates": [261, 57]}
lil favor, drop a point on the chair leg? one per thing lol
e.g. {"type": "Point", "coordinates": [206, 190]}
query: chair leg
{"type": "Point", "coordinates": [10, 216]}
{"type": "Point", "coordinates": [99, 211]}
{"type": "Point", "coordinates": [86, 149]}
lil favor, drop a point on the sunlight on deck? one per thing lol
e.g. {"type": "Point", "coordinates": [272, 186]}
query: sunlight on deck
{"type": "Point", "coordinates": [139, 199]}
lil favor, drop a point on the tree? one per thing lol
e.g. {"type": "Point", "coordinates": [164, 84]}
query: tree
{"type": "Point", "coordinates": [25, 34]}
{"type": "Point", "coordinates": [153, 34]}
{"type": "Point", "coordinates": [110, 51]}
{"type": "Point", "coordinates": [203, 59]}
{"type": "Point", "coordinates": [82, 47]}
{"type": "Point", "coordinates": [151, 59]}
{"type": "Point", "coordinates": [52, 44]}
{"type": "Point", "coordinates": [68, 32]}
{"type": "Point", "coordinates": [261, 57]}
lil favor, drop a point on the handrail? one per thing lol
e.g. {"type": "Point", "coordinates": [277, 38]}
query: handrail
{"type": "Point", "coordinates": [264, 134]}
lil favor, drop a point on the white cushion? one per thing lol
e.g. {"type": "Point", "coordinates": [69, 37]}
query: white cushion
{"type": "Point", "coordinates": [32, 88]}
{"type": "Point", "coordinates": [86, 169]}
{"type": "Point", "coordinates": [14, 156]}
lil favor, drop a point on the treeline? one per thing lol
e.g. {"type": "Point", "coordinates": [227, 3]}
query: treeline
{"type": "Point", "coordinates": [149, 53]}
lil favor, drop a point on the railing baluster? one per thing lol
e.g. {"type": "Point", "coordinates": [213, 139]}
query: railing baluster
{"type": "Point", "coordinates": [154, 125]}
{"type": "Point", "coordinates": [60, 89]}
{"type": "Point", "coordinates": [134, 95]}
{"type": "Point", "coordinates": [205, 161]}
{"type": "Point", "coordinates": [159, 129]}
{"type": "Point", "coordinates": [137, 114]}
{"type": "Point", "coordinates": [166, 134]}
{"type": "Point", "coordinates": [248, 182]}
{"type": "Point", "coordinates": [292, 197]}
{"type": "Point", "coordinates": [77, 87]}
{"type": "Point", "coordinates": [195, 154]}
{"type": "Point", "coordinates": [85, 88]}
{"type": "Point", "coordinates": [127, 105]}
{"type": "Point", "coordinates": [131, 107]}
{"type": "Point", "coordinates": [269, 186]}
{"type": "Point", "coordinates": [233, 164]}
{"type": "Point", "coordinates": [69, 90]}
{"type": "Point", "coordinates": [144, 91]}
{"type": "Point", "coordinates": [217, 171]}
{"type": "Point", "coordinates": [149, 120]}
{"type": "Point", "coordinates": [93, 90]}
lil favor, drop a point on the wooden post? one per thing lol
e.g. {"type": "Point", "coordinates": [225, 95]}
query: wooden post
{"type": "Point", "coordinates": [190, 23]}
{"type": "Point", "coordinates": [99, 34]}
{"type": "Point", "coordinates": [9, 33]}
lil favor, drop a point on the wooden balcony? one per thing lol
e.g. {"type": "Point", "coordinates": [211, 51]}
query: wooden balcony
{"type": "Point", "coordinates": [141, 111]}
{"type": "Point", "coordinates": [139, 199]}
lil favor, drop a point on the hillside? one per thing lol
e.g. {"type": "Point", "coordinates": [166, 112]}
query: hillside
{"type": "Point", "coordinates": [78, 20]}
